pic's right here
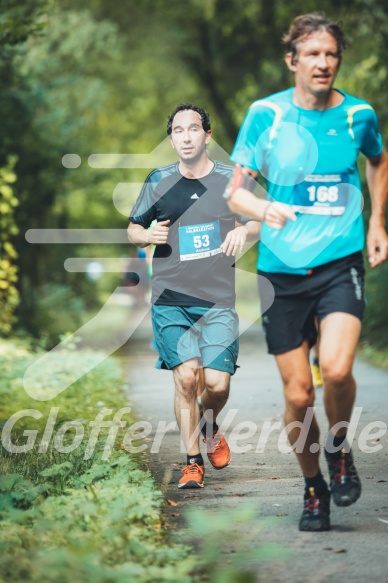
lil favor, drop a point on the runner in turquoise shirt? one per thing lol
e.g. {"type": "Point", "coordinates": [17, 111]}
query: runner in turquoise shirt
{"type": "Point", "coordinates": [305, 141]}
{"type": "Point", "coordinates": [309, 159]}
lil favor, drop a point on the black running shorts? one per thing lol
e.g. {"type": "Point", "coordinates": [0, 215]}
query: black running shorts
{"type": "Point", "coordinates": [300, 300]}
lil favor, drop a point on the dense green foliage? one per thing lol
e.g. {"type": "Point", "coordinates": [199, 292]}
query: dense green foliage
{"type": "Point", "coordinates": [9, 295]}
{"type": "Point", "coordinates": [66, 518]}
{"type": "Point", "coordinates": [103, 78]}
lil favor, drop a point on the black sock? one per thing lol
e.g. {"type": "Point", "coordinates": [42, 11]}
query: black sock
{"type": "Point", "coordinates": [209, 429]}
{"type": "Point", "coordinates": [195, 459]}
{"type": "Point", "coordinates": [335, 443]}
{"type": "Point", "coordinates": [206, 428]}
{"type": "Point", "coordinates": [339, 441]}
{"type": "Point", "coordinates": [317, 482]}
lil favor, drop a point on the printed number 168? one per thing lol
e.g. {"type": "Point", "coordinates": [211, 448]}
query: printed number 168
{"type": "Point", "coordinates": [323, 193]}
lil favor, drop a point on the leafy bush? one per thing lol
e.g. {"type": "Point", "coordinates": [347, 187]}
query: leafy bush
{"type": "Point", "coordinates": [104, 532]}
{"type": "Point", "coordinates": [66, 518]}
{"type": "Point", "coordinates": [9, 295]}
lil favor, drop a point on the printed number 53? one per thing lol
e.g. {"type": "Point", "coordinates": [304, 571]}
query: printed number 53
{"type": "Point", "coordinates": [201, 241]}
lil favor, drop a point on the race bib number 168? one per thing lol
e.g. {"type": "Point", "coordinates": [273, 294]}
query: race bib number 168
{"type": "Point", "coordinates": [321, 194]}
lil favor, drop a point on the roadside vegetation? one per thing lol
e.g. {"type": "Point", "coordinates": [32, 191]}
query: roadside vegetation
{"type": "Point", "coordinates": [77, 502]}
{"type": "Point", "coordinates": [375, 356]}
{"type": "Point", "coordinates": [66, 518]}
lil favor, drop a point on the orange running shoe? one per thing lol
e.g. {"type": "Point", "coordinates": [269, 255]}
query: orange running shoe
{"type": "Point", "coordinates": [192, 477]}
{"type": "Point", "coordinates": [218, 450]}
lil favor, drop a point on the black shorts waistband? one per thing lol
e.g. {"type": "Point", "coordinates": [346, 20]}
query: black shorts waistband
{"type": "Point", "coordinates": [351, 259]}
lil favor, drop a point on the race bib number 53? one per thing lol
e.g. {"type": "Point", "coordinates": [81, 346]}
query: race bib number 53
{"type": "Point", "coordinates": [198, 241]}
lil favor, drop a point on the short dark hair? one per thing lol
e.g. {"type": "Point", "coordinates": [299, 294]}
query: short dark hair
{"type": "Point", "coordinates": [303, 26]}
{"type": "Point", "coordinates": [205, 117]}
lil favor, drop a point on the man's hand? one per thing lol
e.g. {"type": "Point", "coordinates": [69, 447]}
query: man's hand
{"type": "Point", "coordinates": [377, 244]}
{"type": "Point", "coordinates": [235, 240]}
{"type": "Point", "coordinates": [157, 235]}
{"type": "Point", "coordinates": [141, 236]}
{"type": "Point", "coordinates": [276, 214]}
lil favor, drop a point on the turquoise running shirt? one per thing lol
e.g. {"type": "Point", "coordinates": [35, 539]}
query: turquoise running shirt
{"type": "Point", "coordinates": [309, 160]}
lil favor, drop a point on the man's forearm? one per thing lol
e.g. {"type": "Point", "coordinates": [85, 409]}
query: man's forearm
{"type": "Point", "coordinates": [246, 204]}
{"type": "Point", "coordinates": [138, 235]}
{"type": "Point", "coordinates": [253, 228]}
{"type": "Point", "coordinates": [377, 179]}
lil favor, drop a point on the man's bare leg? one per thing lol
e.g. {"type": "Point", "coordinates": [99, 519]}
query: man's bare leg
{"type": "Point", "coordinates": [215, 393]}
{"type": "Point", "coordinates": [186, 378]}
{"type": "Point", "coordinates": [339, 337]}
{"type": "Point", "coordinates": [294, 367]}
{"type": "Point", "coordinates": [299, 395]}
{"type": "Point", "coordinates": [214, 397]}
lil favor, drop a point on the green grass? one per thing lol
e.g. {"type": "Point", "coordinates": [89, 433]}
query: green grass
{"type": "Point", "coordinates": [65, 518]}
{"type": "Point", "coordinates": [373, 355]}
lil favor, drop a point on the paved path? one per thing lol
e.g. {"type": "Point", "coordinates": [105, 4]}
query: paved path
{"type": "Point", "coordinates": [355, 550]}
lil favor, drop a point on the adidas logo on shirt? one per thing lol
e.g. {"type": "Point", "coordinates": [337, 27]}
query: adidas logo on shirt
{"type": "Point", "coordinates": [332, 132]}
{"type": "Point", "coordinates": [195, 196]}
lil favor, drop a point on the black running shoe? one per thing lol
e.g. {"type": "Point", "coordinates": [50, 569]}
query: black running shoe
{"type": "Point", "coordinates": [316, 512]}
{"type": "Point", "coordinates": [345, 485]}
